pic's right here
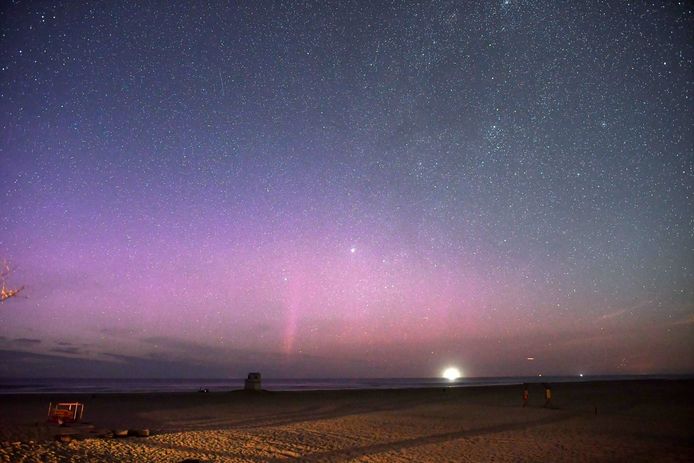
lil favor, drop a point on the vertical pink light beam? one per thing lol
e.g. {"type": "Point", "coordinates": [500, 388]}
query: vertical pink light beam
{"type": "Point", "coordinates": [292, 302]}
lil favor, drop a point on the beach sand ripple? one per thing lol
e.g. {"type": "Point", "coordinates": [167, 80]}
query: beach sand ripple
{"type": "Point", "coordinates": [637, 421]}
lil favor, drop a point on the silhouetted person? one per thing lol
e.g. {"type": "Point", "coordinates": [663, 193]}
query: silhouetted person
{"type": "Point", "coordinates": [548, 395]}
{"type": "Point", "coordinates": [525, 395]}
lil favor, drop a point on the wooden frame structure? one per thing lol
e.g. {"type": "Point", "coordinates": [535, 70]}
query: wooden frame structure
{"type": "Point", "coordinates": [65, 412]}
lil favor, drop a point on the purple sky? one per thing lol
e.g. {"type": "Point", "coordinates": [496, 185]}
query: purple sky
{"type": "Point", "coordinates": [346, 189]}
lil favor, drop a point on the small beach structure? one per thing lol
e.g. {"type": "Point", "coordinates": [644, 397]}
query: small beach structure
{"type": "Point", "coordinates": [65, 412]}
{"type": "Point", "coordinates": [253, 382]}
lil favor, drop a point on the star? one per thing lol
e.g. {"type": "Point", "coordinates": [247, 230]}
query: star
{"type": "Point", "coordinates": [510, 168]}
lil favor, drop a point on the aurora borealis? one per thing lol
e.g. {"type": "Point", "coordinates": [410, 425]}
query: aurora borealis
{"type": "Point", "coordinates": [347, 189]}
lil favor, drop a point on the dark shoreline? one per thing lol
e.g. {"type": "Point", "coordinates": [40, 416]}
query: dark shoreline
{"type": "Point", "coordinates": [114, 408]}
{"type": "Point", "coordinates": [47, 386]}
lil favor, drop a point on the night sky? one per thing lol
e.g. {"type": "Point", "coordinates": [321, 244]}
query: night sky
{"type": "Point", "coordinates": [347, 189]}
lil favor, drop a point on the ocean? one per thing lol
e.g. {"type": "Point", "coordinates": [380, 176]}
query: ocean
{"type": "Point", "coordinates": [100, 385]}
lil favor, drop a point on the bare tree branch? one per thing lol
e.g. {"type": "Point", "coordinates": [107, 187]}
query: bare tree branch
{"type": "Point", "coordinates": [5, 292]}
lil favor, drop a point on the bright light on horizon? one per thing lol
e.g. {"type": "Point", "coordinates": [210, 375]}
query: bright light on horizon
{"type": "Point", "coordinates": [451, 373]}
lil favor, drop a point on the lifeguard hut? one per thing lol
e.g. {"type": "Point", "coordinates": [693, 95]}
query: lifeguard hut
{"type": "Point", "coordinates": [253, 382]}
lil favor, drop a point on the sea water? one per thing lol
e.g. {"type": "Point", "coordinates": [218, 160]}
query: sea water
{"type": "Point", "coordinates": [119, 385]}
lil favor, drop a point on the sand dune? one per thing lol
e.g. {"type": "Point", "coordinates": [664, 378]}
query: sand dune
{"type": "Point", "coordinates": [635, 421]}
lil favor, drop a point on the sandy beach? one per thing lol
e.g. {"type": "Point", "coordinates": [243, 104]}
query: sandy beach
{"type": "Point", "coordinates": [599, 421]}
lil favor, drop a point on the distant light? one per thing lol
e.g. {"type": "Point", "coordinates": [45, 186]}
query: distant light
{"type": "Point", "coordinates": [451, 373]}
{"type": "Point", "coordinates": [581, 375]}
{"type": "Point", "coordinates": [353, 250]}
{"type": "Point", "coordinates": [531, 358]}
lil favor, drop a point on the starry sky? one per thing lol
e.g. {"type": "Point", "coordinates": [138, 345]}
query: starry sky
{"type": "Point", "coordinates": [347, 189]}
